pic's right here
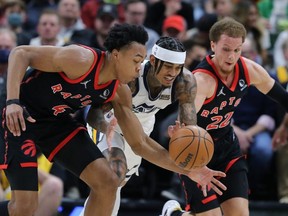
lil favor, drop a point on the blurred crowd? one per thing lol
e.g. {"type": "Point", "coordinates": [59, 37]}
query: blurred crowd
{"type": "Point", "coordinates": [87, 22]}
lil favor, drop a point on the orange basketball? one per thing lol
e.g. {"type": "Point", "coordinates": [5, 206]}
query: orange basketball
{"type": "Point", "coordinates": [191, 147]}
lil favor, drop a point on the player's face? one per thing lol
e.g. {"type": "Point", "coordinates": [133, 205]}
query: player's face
{"type": "Point", "coordinates": [128, 62]}
{"type": "Point", "coordinates": [227, 52]}
{"type": "Point", "coordinates": [168, 73]}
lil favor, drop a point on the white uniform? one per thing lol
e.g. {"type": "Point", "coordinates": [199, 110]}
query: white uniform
{"type": "Point", "coordinates": [145, 107]}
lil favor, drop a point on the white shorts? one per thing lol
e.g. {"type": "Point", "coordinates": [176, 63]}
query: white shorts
{"type": "Point", "coordinates": [118, 141]}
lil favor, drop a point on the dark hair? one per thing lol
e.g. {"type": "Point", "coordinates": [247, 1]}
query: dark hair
{"type": "Point", "coordinates": [123, 35]}
{"type": "Point", "coordinates": [227, 26]}
{"type": "Point", "coordinates": [128, 2]}
{"type": "Point", "coordinates": [168, 43]}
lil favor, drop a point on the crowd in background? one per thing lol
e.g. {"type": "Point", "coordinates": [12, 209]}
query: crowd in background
{"type": "Point", "coordinates": [87, 22]}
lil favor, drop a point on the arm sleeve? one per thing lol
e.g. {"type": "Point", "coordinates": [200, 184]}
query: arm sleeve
{"type": "Point", "coordinates": [279, 94]}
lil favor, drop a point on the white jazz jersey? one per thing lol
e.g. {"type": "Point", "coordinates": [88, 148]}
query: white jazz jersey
{"type": "Point", "coordinates": [144, 106]}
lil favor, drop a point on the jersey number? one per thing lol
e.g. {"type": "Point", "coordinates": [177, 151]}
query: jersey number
{"type": "Point", "coordinates": [220, 121]}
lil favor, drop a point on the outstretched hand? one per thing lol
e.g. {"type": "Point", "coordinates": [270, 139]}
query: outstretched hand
{"type": "Point", "coordinates": [15, 118]}
{"type": "Point", "coordinates": [207, 179]}
{"type": "Point", "coordinates": [173, 128]}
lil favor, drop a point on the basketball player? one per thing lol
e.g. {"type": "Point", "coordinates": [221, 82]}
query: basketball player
{"type": "Point", "coordinates": [222, 80]}
{"type": "Point", "coordinates": [162, 81]}
{"type": "Point", "coordinates": [38, 112]}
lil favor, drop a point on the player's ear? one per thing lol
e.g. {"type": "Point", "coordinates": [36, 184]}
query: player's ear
{"type": "Point", "coordinates": [212, 44]}
{"type": "Point", "coordinates": [115, 53]}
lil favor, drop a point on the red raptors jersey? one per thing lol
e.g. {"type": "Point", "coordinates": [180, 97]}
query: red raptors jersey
{"type": "Point", "coordinates": [55, 95]}
{"type": "Point", "coordinates": [216, 113]}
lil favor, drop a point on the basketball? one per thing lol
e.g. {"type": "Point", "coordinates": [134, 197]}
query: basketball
{"type": "Point", "coordinates": [191, 147]}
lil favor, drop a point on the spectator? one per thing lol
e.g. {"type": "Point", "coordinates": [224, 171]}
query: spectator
{"type": "Point", "coordinates": [200, 32]}
{"type": "Point", "coordinates": [48, 29]}
{"type": "Point", "coordinates": [70, 20]}
{"type": "Point", "coordinates": [195, 52]}
{"type": "Point", "coordinates": [246, 12]}
{"type": "Point", "coordinates": [34, 9]}
{"type": "Point", "coordinates": [135, 14]}
{"type": "Point", "coordinates": [223, 8]}
{"type": "Point", "coordinates": [14, 18]}
{"type": "Point", "coordinates": [278, 54]}
{"type": "Point", "coordinates": [90, 8]}
{"type": "Point", "coordinates": [106, 18]}
{"type": "Point", "coordinates": [175, 26]}
{"type": "Point", "coordinates": [164, 8]}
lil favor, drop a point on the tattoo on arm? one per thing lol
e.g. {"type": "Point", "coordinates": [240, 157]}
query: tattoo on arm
{"type": "Point", "coordinates": [186, 89]}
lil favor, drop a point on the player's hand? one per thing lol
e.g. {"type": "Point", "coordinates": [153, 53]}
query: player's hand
{"type": "Point", "coordinates": [110, 132]}
{"type": "Point", "coordinates": [173, 128]}
{"type": "Point", "coordinates": [280, 137]}
{"type": "Point", "coordinates": [207, 179]}
{"type": "Point", "coordinates": [15, 118]}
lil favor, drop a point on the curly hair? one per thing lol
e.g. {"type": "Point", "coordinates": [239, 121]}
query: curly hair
{"type": "Point", "coordinates": [122, 35]}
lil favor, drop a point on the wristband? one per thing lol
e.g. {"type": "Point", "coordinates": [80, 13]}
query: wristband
{"type": "Point", "coordinates": [13, 101]}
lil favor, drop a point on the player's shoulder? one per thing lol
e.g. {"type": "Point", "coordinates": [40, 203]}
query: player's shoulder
{"type": "Point", "coordinates": [187, 76]}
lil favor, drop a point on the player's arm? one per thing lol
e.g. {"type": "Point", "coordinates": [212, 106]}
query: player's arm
{"type": "Point", "coordinates": [186, 88]}
{"type": "Point", "coordinates": [149, 149]}
{"type": "Point", "coordinates": [264, 83]}
{"type": "Point", "coordinates": [73, 60]}
{"type": "Point", "coordinates": [260, 78]}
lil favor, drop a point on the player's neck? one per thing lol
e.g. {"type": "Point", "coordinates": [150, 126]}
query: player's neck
{"type": "Point", "coordinates": [107, 72]}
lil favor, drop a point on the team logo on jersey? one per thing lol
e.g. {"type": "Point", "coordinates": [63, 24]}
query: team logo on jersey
{"type": "Point", "coordinates": [242, 84]}
{"type": "Point", "coordinates": [85, 83]}
{"type": "Point", "coordinates": [144, 108]}
{"type": "Point", "coordinates": [105, 94]}
{"type": "Point", "coordinates": [164, 97]}
{"type": "Point", "coordinates": [29, 148]}
{"type": "Point", "coordinates": [221, 92]}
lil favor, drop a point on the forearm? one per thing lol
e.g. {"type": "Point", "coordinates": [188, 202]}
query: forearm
{"type": "Point", "coordinates": [153, 152]}
{"type": "Point", "coordinates": [255, 129]}
{"type": "Point", "coordinates": [140, 143]}
{"type": "Point", "coordinates": [187, 114]}
{"type": "Point", "coordinates": [278, 93]}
